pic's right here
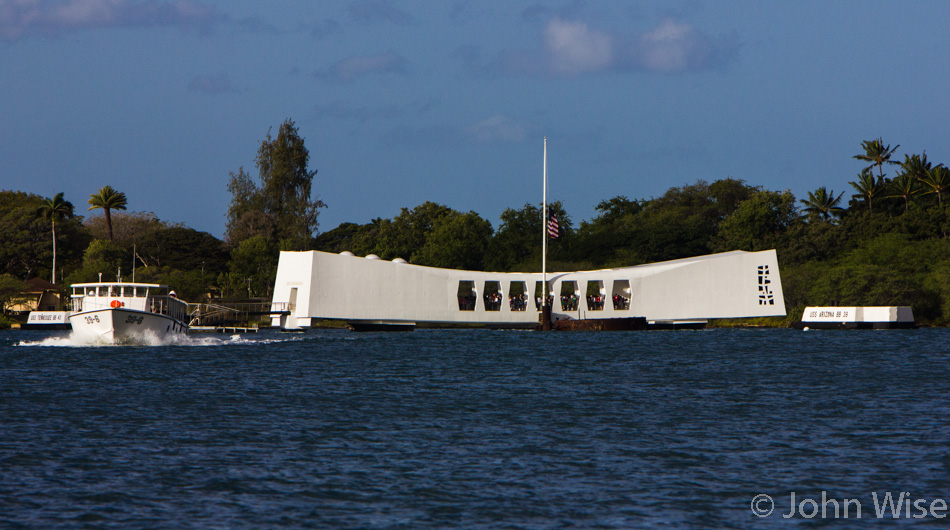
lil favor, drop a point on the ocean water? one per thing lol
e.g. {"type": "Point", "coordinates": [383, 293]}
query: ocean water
{"type": "Point", "coordinates": [477, 429]}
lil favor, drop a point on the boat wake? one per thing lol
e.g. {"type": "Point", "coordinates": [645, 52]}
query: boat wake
{"type": "Point", "coordinates": [71, 341]}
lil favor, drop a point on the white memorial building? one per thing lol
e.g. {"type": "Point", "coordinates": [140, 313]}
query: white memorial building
{"type": "Point", "coordinates": [369, 292]}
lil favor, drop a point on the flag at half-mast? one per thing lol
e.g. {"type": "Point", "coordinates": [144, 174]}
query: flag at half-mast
{"type": "Point", "coordinates": [552, 226]}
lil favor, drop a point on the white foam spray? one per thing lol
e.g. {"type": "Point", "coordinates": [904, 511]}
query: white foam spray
{"type": "Point", "coordinates": [150, 339]}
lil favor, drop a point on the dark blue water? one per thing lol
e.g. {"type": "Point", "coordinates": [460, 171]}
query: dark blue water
{"type": "Point", "coordinates": [471, 429]}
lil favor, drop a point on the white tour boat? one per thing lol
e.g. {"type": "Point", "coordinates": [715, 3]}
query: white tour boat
{"type": "Point", "coordinates": [123, 313]}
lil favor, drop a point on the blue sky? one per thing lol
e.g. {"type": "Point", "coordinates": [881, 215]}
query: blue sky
{"type": "Point", "coordinates": [406, 101]}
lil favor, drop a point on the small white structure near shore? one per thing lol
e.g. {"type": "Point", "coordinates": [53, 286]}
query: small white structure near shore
{"type": "Point", "coordinates": [857, 317]}
{"type": "Point", "coordinates": [47, 320]}
{"type": "Point", "coordinates": [369, 291]}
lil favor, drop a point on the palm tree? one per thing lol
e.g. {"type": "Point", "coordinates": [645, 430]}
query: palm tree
{"type": "Point", "coordinates": [905, 185]}
{"type": "Point", "coordinates": [916, 166]}
{"type": "Point", "coordinates": [877, 154]}
{"type": "Point", "coordinates": [868, 186]}
{"type": "Point", "coordinates": [938, 180]}
{"type": "Point", "coordinates": [53, 209]}
{"type": "Point", "coordinates": [823, 203]}
{"type": "Point", "coordinates": [108, 199]}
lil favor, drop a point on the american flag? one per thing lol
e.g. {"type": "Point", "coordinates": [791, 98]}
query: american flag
{"type": "Point", "coordinates": [552, 226]}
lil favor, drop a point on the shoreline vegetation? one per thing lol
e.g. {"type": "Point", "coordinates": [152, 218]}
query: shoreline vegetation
{"type": "Point", "coordinates": [885, 243]}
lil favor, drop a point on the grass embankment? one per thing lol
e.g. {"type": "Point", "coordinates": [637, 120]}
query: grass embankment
{"type": "Point", "coordinates": [758, 322]}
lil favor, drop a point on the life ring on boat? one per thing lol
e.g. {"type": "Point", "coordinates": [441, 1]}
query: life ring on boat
{"type": "Point", "coordinates": [116, 303]}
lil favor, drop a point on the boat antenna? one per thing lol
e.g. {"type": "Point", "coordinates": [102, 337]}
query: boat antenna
{"type": "Point", "coordinates": [133, 263]}
{"type": "Point", "coordinates": [100, 277]}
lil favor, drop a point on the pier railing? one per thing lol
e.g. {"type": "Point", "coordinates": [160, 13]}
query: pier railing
{"type": "Point", "coordinates": [224, 313]}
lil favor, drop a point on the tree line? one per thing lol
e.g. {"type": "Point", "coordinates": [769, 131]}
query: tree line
{"type": "Point", "coordinates": [887, 246]}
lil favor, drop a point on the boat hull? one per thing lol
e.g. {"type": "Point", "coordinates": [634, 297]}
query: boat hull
{"type": "Point", "coordinates": [124, 326]}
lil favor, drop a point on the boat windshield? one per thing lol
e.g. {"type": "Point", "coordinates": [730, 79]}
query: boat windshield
{"type": "Point", "coordinates": [120, 290]}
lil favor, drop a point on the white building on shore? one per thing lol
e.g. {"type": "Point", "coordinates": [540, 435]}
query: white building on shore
{"type": "Point", "coordinates": [370, 292]}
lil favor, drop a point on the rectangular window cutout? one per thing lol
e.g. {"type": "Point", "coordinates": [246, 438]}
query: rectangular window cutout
{"type": "Point", "coordinates": [467, 295]}
{"type": "Point", "coordinates": [620, 294]}
{"type": "Point", "coordinates": [537, 296]}
{"type": "Point", "coordinates": [518, 296]}
{"type": "Point", "coordinates": [569, 295]}
{"type": "Point", "coordinates": [595, 295]}
{"type": "Point", "coordinates": [492, 296]}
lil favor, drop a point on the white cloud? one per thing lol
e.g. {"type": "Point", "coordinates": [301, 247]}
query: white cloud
{"type": "Point", "coordinates": [574, 48]}
{"type": "Point", "coordinates": [19, 18]}
{"type": "Point", "coordinates": [677, 47]}
{"type": "Point", "coordinates": [498, 129]}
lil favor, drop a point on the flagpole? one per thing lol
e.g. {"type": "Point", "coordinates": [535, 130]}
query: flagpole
{"type": "Point", "coordinates": [544, 226]}
{"type": "Point", "coordinates": [545, 308]}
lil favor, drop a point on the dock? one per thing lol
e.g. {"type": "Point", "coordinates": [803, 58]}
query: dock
{"type": "Point", "coordinates": [233, 316]}
{"type": "Point", "coordinates": [223, 329]}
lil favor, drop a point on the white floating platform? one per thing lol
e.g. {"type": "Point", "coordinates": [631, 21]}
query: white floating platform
{"type": "Point", "coordinates": [47, 320]}
{"type": "Point", "coordinates": [857, 317]}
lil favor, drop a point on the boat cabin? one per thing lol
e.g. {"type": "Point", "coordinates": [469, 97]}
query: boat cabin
{"type": "Point", "coordinates": [148, 297]}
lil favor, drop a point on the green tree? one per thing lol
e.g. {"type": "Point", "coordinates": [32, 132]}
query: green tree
{"type": "Point", "coordinates": [22, 233]}
{"type": "Point", "coordinates": [890, 269]}
{"type": "Point", "coordinates": [684, 221]}
{"type": "Point", "coordinates": [605, 239]}
{"type": "Point", "coordinates": [938, 282]}
{"type": "Point", "coordinates": [57, 208]}
{"type": "Point", "coordinates": [25, 251]}
{"type": "Point", "coordinates": [757, 222]}
{"type": "Point", "coordinates": [184, 249]}
{"type": "Point", "coordinates": [905, 186]}
{"type": "Point", "coordinates": [103, 258]}
{"type": "Point", "coordinates": [728, 193]}
{"type": "Point", "coordinates": [129, 228]}
{"type": "Point", "coordinates": [193, 285]}
{"type": "Point", "coordinates": [281, 206]}
{"type": "Point", "coordinates": [108, 199]}
{"type": "Point", "coordinates": [916, 166]}
{"type": "Point", "coordinates": [406, 234]}
{"type": "Point", "coordinates": [252, 268]}
{"type": "Point", "coordinates": [615, 209]}
{"type": "Point", "coordinates": [938, 180]}
{"type": "Point", "coordinates": [517, 240]}
{"type": "Point", "coordinates": [867, 187]}
{"type": "Point", "coordinates": [823, 204]}
{"type": "Point", "coordinates": [457, 242]}
{"type": "Point", "coordinates": [11, 290]}
{"type": "Point", "coordinates": [358, 239]}
{"type": "Point", "coordinates": [516, 245]}
{"type": "Point", "coordinates": [877, 154]}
